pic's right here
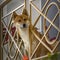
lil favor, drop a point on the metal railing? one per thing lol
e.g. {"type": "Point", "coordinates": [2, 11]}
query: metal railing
{"type": "Point", "coordinates": [12, 40]}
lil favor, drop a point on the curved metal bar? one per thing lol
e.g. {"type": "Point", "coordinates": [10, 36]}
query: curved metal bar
{"type": "Point", "coordinates": [47, 9]}
{"type": "Point", "coordinates": [45, 17]}
{"type": "Point", "coordinates": [40, 42]}
{"type": "Point", "coordinates": [40, 14]}
{"type": "Point", "coordinates": [37, 21]}
{"type": "Point", "coordinates": [12, 39]}
{"type": "Point", "coordinates": [58, 1]}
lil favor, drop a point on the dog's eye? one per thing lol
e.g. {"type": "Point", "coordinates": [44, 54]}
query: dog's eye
{"type": "Point", "coordinates": [24, 19]}
{"type": "Point", "coordinates": [19, 20]}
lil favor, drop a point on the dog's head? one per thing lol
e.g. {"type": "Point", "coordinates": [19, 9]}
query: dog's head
{"type": "Point", "coordinates": [22, 21]}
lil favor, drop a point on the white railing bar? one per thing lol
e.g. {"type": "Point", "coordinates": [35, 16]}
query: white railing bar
{"type": "Point", "coordinates": [12, 38]}
{"type": "Point", "coordinates": [8, 27]}
{"type": "Point", "coordinates": [31, 0]}
{"type": "Point", "coordinates": [2, 2]}
{"type": "Point", "coordinates": [51, 25]}
{"type": "Point", "coordinates": [13, 10]}
{"type": "Point", "coordinates": [44, 56]}
{"type": "Point", "coordinates": [45, 33]}
{"type": "Point", "coordinates": [47, 29]}
{"type": "Point", "coordinates": [42, 11]}
{"type": "Point", "coordinates": [19, 48]}
{"type": "Point", "coordinates": [35, 49]}
{"type": "Point", "coordinates": [40, 42]}
{"type": "Point", "coordinates": [40, 57]}
{"type": "Point", "coordinates": [7, 53]}
{"type": "Point", "coordinates": [45, 17]}
{"type": "Point", "coordinates": [56, 45]}
{"type": "Point", "coordinates": [16, 50]}
{"type": "Point", "coordinates": [37, 21]}
{"type": "Point", "coordinates": [4, 37]}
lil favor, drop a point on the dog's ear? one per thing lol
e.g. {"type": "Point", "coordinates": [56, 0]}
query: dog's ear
{"type": "Point", "coordinates": [14, 15]}
{"type": "Point", "coordinates": [25, 12]}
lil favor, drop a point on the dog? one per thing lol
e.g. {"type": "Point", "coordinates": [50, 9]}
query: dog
{"type": "Point", "coordinates": [22, 23]}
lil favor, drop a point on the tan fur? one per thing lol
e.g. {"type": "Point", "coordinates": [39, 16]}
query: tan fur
{"type": "Point", "coordinates": [24, 33]}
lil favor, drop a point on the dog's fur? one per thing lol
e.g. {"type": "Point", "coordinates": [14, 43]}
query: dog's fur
{"type": "Point", "coordinates": [22, 24]}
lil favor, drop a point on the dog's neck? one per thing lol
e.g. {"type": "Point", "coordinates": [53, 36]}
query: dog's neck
{"type": "Point", "coordinates": [24, 33]}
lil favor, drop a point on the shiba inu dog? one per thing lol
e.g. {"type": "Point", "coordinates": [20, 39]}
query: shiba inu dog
{"type": "Point", "coordinates": [22, 24]}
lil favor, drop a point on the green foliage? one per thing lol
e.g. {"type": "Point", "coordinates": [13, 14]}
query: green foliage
{"type": "Point", "coordinates": [51, 57]}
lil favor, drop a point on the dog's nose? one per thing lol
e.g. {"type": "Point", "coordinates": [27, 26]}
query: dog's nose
{"type": "Point", "coordinates": [24, 25]}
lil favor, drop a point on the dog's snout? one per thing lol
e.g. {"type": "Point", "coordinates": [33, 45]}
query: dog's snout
{"type": "Point", "coordinates": [24, 25]}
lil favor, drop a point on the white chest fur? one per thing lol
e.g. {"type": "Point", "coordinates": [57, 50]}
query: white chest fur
{"type": "Point", "coordinates": [24, 33]}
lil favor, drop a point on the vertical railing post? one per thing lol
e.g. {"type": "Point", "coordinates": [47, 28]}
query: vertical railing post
{"type": "Point", "coordinates": [1, 50]}
{"type": "Point", "coordinates": [59, 17]}
{"type": "Point", "coordinates": [2, 4]}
